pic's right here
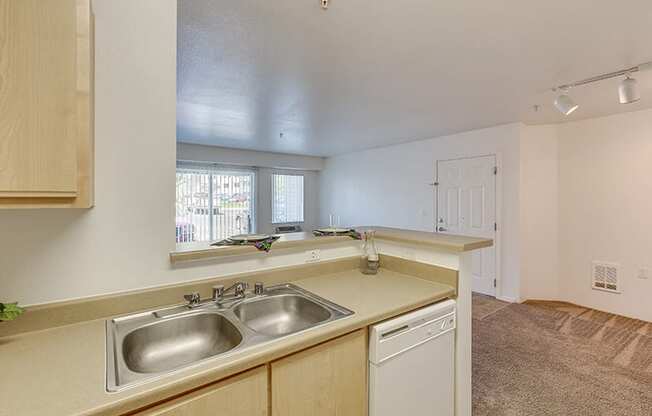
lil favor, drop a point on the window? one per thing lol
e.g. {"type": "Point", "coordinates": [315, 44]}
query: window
{"type": "Point", "coordinates": [287, 198]}
{"type": "Point", "coordinates": [209, 205]}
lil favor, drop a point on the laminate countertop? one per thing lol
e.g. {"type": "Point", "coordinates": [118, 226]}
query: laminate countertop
{"type": "Point", "coordinates": [447, 242]}
{"type": "Point", "coordinates": [61, 371]}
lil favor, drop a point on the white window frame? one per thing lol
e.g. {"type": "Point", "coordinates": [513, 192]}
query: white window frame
{"type": "Point", "coordinates": [222, 168]}
{"type": "Point", "coordinates": [272, 192]}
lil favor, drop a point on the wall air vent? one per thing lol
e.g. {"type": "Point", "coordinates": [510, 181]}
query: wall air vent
{"type": "Point", "coordinates": [283, 229]}
{"type": "Point", "coordinates": [604, 276]}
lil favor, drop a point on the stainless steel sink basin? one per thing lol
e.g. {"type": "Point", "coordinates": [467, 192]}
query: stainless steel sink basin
{"type": "Point", "coordinates": [174, 343]}
{"type": "Point", "coordinates": [281, 314]}
{"type": "Point", "coordinates": [144, 346]}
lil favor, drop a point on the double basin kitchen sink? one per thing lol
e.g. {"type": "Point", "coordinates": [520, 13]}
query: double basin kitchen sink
{"type": "Point", "coordinates": [147, 345]}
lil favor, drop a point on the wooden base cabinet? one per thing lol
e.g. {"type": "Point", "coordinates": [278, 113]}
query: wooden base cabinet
{"type": "Point", "coordinates": [327, 380]}
{"type": "Point", "coordinates": [241, 395]}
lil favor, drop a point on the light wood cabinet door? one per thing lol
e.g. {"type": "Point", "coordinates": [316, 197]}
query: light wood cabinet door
{"type": "Point", "coordinates": [45, 102]}
{"type": "Point", "coordinates": [241, 395]}
{"type": "Point", "coordinates": [327, 380]}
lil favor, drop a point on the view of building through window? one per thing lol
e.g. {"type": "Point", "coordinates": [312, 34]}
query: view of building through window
{"type": "Point", "coordinates": [213, 204]}
{"type": "Point", "coordinates": [287, 198]}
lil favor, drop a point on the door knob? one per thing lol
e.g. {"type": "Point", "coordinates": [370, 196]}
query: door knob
{"type": "Point", "coordinates": [441, 229]}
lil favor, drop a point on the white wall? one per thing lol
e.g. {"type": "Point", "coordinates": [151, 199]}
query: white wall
{"type": "Point", "coordinates": [604, 190]}
{"type": "Point", "coordinates": [267, 163]}
{"type": "Point", "coordinates": [539, 213]}
{"type": "Point", "coordinates": [390, 186]}
{"type": "Point", "coordinates": [605, 206]}
{"type": "Point", "coordinates": [385, 186]}
{"type": "Point", "coordinates": [572, 193]}
{"type": "Point", "coordinates": [123, 243]}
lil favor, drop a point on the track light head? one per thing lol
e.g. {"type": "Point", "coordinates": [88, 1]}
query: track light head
{"type": "Point", "coordinates": [565, 104]}
{"type": "Point", "coordinates": [628, 91]}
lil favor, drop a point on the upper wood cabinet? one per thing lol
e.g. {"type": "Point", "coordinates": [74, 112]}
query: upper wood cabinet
{"type": "Point", "coordinates": [46, 85]}
{"type": "Point", "coordinates": [327, 380]}
{"type": "Point", "coordinates": [241, 395]}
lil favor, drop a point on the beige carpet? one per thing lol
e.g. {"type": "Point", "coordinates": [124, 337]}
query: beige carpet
{"type": "Point", "coordinates": [553, 358]}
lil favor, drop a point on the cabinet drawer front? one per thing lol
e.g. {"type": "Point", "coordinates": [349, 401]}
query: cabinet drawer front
{"type": "Point", "coordinates": [241, 395]}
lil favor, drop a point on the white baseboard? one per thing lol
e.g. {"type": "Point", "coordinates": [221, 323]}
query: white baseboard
{"type": "Point", "coordinates": [507, 299]}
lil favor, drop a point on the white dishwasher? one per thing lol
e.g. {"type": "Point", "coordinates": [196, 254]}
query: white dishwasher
{"type": "Point", "coordinates": [412, 363]}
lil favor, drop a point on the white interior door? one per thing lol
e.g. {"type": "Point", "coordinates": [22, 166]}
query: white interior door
{"type": "Point", "coordinates": [466, 205]}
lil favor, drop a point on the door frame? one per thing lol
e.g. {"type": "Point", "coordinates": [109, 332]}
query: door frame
{"type": "Point", "coordinates": [499, 210]}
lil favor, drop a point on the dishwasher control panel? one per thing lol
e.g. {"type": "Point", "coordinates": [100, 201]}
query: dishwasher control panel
{"type": "Point", "coordinates": [410, 330]}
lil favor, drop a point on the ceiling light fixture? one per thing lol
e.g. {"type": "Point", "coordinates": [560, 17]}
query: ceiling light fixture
{"type": "Point", "coordinates": [628, 91]}
{"type": "Point", "coordinates": [565, 104]}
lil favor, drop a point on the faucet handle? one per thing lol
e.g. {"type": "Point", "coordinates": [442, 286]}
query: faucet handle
{"type": "Point", "coordinates": [192, 298]}
{"type": "Point", "coordinates": [218, 292]}
{"type": "Point", "coordinates": [259, 288]}
{"type": "Point", "coordinates": [240, 288]}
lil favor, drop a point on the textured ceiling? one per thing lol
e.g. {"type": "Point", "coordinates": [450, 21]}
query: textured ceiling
{"type": "Point", "coordinates": [371, 73]}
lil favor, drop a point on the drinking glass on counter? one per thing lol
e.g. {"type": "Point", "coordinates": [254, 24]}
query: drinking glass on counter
{"type": "Point", "coordinates": [333, 221]}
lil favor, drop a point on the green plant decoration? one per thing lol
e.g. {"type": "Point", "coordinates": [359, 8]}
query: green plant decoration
{"type": "Point", "coordinates": [10, 311]}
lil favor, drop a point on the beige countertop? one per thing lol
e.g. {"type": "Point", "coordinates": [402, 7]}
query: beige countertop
{"type": "Point", "coordinates": [200, 251]}
{"type": "Point", "coordinates": [61, 371]}
{"type": "Point", "coordinates": [448, 242]}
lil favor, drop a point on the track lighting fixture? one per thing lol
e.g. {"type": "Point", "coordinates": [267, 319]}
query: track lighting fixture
{"type": "Point", "coordinates": [628, 91]}
{"type": "Point", "coordinates": [565, 104]}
